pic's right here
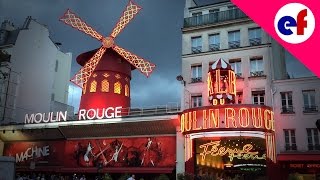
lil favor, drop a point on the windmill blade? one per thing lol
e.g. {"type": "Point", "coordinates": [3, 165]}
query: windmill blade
{"type": "Point", "coordinates": [141, 64]}
{"type": "Point", "coordinates": [76, 22]}
{"type": "Point", "coordinates": [85, 72]}
{"type": "Point", "coordinates": [128, 14]}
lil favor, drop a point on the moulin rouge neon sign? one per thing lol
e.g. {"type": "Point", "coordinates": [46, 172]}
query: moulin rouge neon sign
{"type": "Point", "coordinates": [83, 114]}
{"type": "Point", "coordinates": [214, 148]}
{"type": "Point", "coordinates": [228, 116]}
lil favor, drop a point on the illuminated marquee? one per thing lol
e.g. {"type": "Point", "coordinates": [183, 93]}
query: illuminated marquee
{"type": "Point", "coordinates": [221, 83]}
{"type": "Point", "coordinates": [214, 148]}
{"type": "Point", "coordinates": [83, 114]}
{"type": "Point", "coordinates": [227, 116]}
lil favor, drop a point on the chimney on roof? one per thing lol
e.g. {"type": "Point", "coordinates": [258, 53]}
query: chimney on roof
{"type": "Point", "coordinates": [7, 25]}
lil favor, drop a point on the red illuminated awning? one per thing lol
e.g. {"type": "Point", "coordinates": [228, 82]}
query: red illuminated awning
{"type": "Point", "coordinates": [298, 157]}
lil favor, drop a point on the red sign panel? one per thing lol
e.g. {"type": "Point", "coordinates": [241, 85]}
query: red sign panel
{"type": "Point", "coordinates": [122, 152]}
{"type": "Point", "coordinates": [46, 153]}
{"type": "Point", "coordinates": [115, 152]}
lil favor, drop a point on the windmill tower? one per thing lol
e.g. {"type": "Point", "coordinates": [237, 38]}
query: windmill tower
{"type": "Point", "coordinates": [106, 72]}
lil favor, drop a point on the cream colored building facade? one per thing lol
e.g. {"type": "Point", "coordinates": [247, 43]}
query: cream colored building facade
{"type": "Point", "coordinates": [252, 60]}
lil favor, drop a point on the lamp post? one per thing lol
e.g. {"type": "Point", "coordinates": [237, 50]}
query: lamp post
{"type": "Point", "coordinates": [186, 93]}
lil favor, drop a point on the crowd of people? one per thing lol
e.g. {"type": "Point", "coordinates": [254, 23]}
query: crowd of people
{"type": "Point", "coordinates": [44, 176]}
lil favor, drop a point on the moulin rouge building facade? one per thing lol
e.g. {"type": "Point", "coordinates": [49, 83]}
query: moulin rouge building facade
{"type": "Point", "coordinates": [220, 139]}
{"type": "Point", "coordinates": [224, 138]}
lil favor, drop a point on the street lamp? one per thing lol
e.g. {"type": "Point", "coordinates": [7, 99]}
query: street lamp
{"type": "Point", "coordinates": [180, 78]}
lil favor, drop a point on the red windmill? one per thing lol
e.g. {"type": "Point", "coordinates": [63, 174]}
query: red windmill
{"type": "Point", "coordinates": [106, 72]}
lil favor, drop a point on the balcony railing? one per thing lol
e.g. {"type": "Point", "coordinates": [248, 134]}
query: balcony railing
{"type": "Point", "coordinates": [287, 109]}
{"type": "Point", "coordinates": [292, 147]}
{"type": "Point", "coordinates": [196, 79]}
{"type": "Point", "coordinates": [256, 74]}
{"type": "Point", "coordinates": [239, 75]}
{"type": "Point", "coordinates": [312, 147]}
{"type": "Point", "coordinates": [310, 109]}
{"type": "Point", "coordinates": [215, 17]}
{"type": "Point", "coordinates": [214, 47]}
{"type": "Point", "coordinates": [196, 50]}
{"type": "Point", "coordinates": [255, 41]}
{"type": "Point", "coordinates": [234, 44]}
{"type": "Point", "coordinates": [171, 108]}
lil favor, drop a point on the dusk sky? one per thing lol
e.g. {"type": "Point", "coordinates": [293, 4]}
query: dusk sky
{"type": "Point", "coordinates": [154, 34]}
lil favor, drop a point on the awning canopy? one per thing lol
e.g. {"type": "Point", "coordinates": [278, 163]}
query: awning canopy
{"type": "Point", "coordinates": [136, 126]}
{"type": "Point", "coordinates": [298, 157]}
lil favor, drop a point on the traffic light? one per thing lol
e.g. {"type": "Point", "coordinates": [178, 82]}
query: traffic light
{"type": "Point", "coordinates": [318, 124]}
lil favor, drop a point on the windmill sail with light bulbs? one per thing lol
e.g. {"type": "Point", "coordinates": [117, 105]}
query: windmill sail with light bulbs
{"type": "Point", "coordinates": [106, 72]}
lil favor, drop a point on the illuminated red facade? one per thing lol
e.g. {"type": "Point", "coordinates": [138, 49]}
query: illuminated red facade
{"type": "Point", "coordinates": [109, 86]}
{"type": "Point", "coordinates": [221, 83]}
{"type": "Point", "coordinates": [227, 137]}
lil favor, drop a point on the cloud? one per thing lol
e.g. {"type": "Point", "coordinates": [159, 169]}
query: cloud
{"type": "Point", "coordinates": [157, 90]}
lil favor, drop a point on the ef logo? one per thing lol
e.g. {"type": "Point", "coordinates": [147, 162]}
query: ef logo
{"type": "Point", "coordinates": [294, 23]}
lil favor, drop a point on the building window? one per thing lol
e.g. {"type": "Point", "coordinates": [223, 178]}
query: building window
{"type": "Point", "coordinates": [256, 66]}
{"type": "Point", "coordinates": [196, 74]}
{"type": "Point", "coordinates": [93, 86]}
{"type": "Point", "coordinates": [52, 97]}
{"type": "Point", "coordinates": [197, 18]}
{"type": "Point", "coordinates": [117, 87]}
{"type": "Point", "coordinates": [239, 97]}
{"type": "Point", "coordinates": [84, 88]}
{"type": "Point", "coordinates": [255, 36]}
{"type": "Point", "coordinates": [286, 99]}
{"type": "Point", "coordinates": [213, 15]}
{"type": "Point", "coordinates": [126, 90]}
{"type": "Point", "coordinates": [56, 67]}
{"type": "Point", "coordinates": [236, 66]}
{"type": "Point", "coordinates": [196, 44]}
{"type": "Point", "coordinates": [196, 14]}
{"type": "Point", "coordinates": [313, 139]}
{"type": "Point", "coordinates": [105, 86]}
{"type": "Point", "coordinates": [234, 39]}
{"type": "Point", "coordinates": [196, 101]}
{"type": "Point", "coordinates": [258, 97]}
{"type": "Point", "coordinates": [290, 139]}
{"type": "Point", "coordinates": [309, 100]}
{"type": "Point", "coordinates": [214, 42]}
